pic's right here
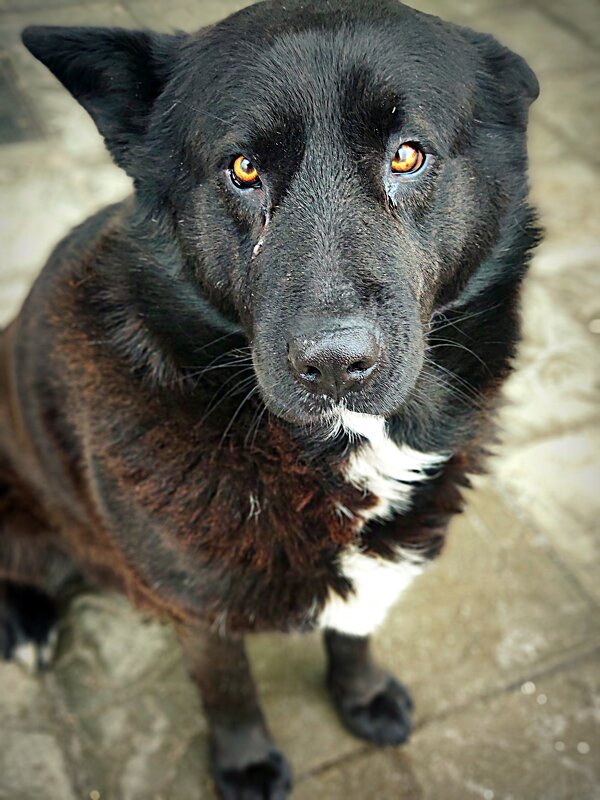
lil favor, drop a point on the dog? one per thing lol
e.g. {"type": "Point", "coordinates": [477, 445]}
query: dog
{"type": "Point", "coordinates": [250, 395]}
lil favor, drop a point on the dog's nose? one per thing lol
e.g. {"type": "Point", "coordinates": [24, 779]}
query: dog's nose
{"type": "Point", "coordinates": [335, 360]}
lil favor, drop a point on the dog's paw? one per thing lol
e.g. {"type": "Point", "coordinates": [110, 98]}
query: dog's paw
{"type": "Point", "coordinates": [28, 634]}
{"type": "Point", "coordinates": [384, 719]}
{"type": "Point", "coordinates": [268, 779]}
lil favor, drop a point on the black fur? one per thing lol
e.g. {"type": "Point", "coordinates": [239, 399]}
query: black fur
{"type": "Point", "coordinates": [152, 428]}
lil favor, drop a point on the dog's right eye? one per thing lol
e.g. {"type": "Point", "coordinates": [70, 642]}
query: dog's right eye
{"type": "Point", "coordinates": [244, 174]}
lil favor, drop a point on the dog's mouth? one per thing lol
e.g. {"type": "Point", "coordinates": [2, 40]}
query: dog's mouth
{"type": "Point", "coordinates": [300, 408]}
{"type": "Point", "coordinates": [325, 417]}
{"type": "Point", "coordinates": [353, 424]}
{"type": "Point", "coordinates": [332, 421]}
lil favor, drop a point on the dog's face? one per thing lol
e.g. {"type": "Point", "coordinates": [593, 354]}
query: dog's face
{"type": "Point", "coordinates": [333, 175]}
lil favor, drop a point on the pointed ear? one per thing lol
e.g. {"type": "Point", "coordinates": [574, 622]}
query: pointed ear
{"type": "Point", "coordinates": [115, 74]}
{"type": "Point", "coordinates": [510, 75]}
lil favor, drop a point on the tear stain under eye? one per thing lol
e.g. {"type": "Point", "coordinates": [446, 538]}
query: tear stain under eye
{"type": "Point", "coordinates": [258, 246]}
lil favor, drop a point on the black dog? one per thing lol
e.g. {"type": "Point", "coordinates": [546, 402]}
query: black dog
{"type": "Point", "coordinates": [248, 396]}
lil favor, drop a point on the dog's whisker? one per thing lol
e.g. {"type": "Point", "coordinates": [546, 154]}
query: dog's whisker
{"type": "Point", "coordinates": [237, 365]}
{"type": "Point", "coordinates": [229, 393]}
{"type": "Point", "coordinates": [238, 358]}
{"type": "Point", "coordinates": [432, 378]}
{"type": "Point", "coordinates": [236, 413]}
{"type": "Point", "coordinates": [460, 319]}
{"type": "Point", "coordinates": [258, 423]}
{"type": "Point", "coordinates": [213, 342]}
{"type": "Point", "coordinates": [458, 345]}
{"type": "Point", "coordinates": [470, 389]}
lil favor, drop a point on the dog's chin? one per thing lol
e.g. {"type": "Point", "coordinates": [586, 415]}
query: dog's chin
{"type": "Point", "coordinates": [325, 418]}
{"type": "Point", "coordinates": [314, 412]}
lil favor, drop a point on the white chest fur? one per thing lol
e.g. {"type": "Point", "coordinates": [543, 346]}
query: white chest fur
{"type": "Point", "coordinates": [389, 472]}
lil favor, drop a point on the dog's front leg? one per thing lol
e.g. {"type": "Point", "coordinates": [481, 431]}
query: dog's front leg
{"type": "Point", "coordinates": [245, 761]}
{"type": "Point", "coordinates": [370, 701]}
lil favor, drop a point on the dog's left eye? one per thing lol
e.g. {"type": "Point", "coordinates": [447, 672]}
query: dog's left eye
{"type": "Point", "coordinates": [408, 158]}
{"type": "Point", "coordinates": [244, 174]}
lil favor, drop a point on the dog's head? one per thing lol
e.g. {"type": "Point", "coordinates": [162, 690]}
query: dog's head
{"type": "Point", "coordinates": [333, 174]}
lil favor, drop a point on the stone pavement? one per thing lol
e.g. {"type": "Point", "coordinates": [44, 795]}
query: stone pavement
{"type": "Point", "coordinates": [499, 640]}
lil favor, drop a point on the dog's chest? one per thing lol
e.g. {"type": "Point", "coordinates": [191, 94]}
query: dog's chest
{"type": "Point", "coordinates": [267, 525]}
{"type": "Point", "coordinates": [390, 473]}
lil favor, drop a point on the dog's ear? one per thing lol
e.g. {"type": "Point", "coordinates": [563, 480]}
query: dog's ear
{"type": "Point", "coordinates": [115, 74]}
{"type": "Point", "coordinates": [512, 77]}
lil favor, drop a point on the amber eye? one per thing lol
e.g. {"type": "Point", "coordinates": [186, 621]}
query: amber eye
{"type": "Point", "coordinates": [244, 174]}
{"type": "Point", "coordinates": [408, 158]}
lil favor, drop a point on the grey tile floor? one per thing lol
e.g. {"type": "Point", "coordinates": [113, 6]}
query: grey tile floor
{"type": "Point", "coordinates": [500, 639]}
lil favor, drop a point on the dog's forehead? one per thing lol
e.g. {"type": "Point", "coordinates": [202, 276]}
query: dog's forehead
{"type": "Point", "coordinates": [411, 65]}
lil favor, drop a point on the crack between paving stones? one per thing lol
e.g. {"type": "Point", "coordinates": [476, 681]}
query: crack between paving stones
{"type": "Point", "coordinates": [362, 751]}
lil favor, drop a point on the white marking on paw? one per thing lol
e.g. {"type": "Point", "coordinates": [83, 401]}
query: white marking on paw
{"type": "Point", "coordinates": [32, 656]}
{"type": "Point", "coordinates": [47, 651]}
{"type": "Point", "coordinates": [26, 655]}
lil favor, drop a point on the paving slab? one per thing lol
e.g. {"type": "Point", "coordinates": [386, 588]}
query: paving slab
{"type": "Point", "coordinates": [367, 773]}
{"type": "Point", "coordinates": [554, 388]}
{"type": "Point", "coordinates": [538, 741]}
{"type": "Point", "coordinates": [556, 483]}
{"type": "Point", "coordinates": [120, 681]}
{"type": "Point", "coordinates": [568, 200]}
{"type": "Point", "coordinates": [24, 701]}
{"type": "Point", "coordinates": [568, 106]}
{"type": "Point", "coordinates": [181, 14]}
{"type": "Point", "coordinates": [33, 765]}
{"type": "Point", "coordinates": [494, 608]}
{"type": "Point", "coordinates": [548, 46]}
{"type": "Point", "coordinates": [52, 5]}
{"type": "Point", "coordinates": [581, 17]}
{"type": "Point", "coordinates": [38, 211]}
